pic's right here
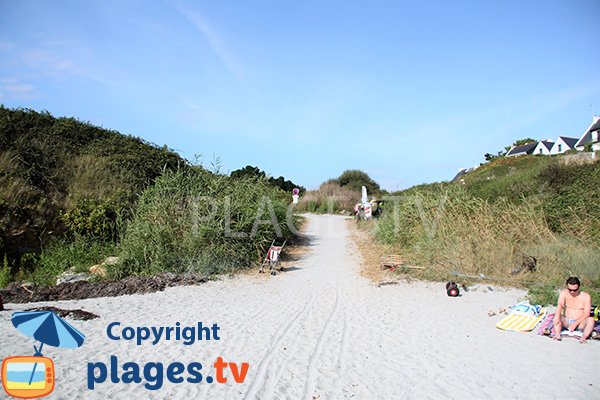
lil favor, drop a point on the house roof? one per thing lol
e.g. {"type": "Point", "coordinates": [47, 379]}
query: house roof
{"type": "Point", "coordinates": [460, 173]}
{"type": "Point", "coordinates": [569, 141]}
{"type": "Point", "coordinates": [587, 135]}
{"type": "Point", "coordinates": [523, 149]}
{"type": "Point", "coordinates": [547, 144]}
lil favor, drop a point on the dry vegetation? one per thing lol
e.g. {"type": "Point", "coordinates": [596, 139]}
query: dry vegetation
{"type": "Point", "coordinates": [329, 198]}
{"type": "Point", "coordinates": [371, 252]}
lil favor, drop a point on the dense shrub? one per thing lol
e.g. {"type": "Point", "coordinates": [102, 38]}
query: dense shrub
{"type": "Point", "coordinates": [62, 175]}
{"type": "Point", "coordinates": [355, 179]}
{"type": "Point", "coordinates": [97, 219]}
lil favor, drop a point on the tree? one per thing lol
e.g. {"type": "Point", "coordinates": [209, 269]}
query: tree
{"type": "Point", "coordinates": [492, 157]}
{"type": "Point", "coordinates": [354, 179]}
{"type": "Point", "coordinates": [521, 142]}
{"type": "Point", "coordinates": [255, 172]}
{"type": "Point", "coordinates": [248, 171]}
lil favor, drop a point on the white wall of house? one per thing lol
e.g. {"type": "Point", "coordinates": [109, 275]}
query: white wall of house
{"type": "Point", "coordinates": [595, 146]}
{"type": "Point", "coordinates": [559, 147]}
{"type": "Point", "coordinates": [587, 135]}
{"type": "Point", "coordinates": [541, 149]}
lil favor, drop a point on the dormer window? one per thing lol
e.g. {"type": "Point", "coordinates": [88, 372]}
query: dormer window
{"type": "Point", "coordinates": [559, 148]}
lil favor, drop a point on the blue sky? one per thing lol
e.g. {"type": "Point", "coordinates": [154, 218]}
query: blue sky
{"type": "Point", "coordinates": [407, 91]}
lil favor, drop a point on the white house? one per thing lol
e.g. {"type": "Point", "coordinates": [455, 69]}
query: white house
{"type": "Point", "coordinates": [543, 147]}
{"type": "Point", "coordinates": [563, 144]}
{"type": "Point", "coordinates": [522, 150]}
{"type": "Point", "coordinates": [590, 136]}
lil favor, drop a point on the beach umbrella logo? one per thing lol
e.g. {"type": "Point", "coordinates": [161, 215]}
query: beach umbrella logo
{"type": "Point", "coordinates": [30, 377]}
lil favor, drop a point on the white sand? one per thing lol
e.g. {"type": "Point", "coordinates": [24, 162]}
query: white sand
{"type": "Point", "coordinates": [319, 330]}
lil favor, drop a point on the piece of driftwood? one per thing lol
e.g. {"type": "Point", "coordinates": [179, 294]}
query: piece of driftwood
{"type": "Point", "coordinates": [25, 288]}
{"type": "Point", "coordinates": [529, 264]}
{"type": "Point", "coordinates": [394, 261]}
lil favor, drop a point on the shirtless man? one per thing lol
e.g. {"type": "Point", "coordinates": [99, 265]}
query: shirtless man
{"type": "Point", "coordinates": [573, 311]}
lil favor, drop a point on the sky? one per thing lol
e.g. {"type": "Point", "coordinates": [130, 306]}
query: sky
{"type": "Point", "coordinates": [409, 92]}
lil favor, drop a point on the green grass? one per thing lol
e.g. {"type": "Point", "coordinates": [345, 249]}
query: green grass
{"type": "Point", "coordinates": [62, 255]}
{"type": "Point", "coordinates": [569, 194]}
{"type": "Point", "coordinates": [511, 178]}
{"type": "Point", "coordinates": [5, 276]}
{"type": "Point", "coordinates": [548, 294]}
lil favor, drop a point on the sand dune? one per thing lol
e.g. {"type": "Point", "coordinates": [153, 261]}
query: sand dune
{"type": "Point", "coordinates": [320, 330]}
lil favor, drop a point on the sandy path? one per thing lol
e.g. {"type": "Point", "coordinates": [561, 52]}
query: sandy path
{"type": "Point", "coordinates": [320, 330]}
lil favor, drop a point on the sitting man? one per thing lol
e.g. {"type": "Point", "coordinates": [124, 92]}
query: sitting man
{"type": "Point", "coordinates": [573, 311]}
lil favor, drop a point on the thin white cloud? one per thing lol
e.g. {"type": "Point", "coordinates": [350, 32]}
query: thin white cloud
{"type": "Point", "coordinates": [202, 24]}
{"type": "Point", "coordinates": [53, 58]}
{"type": "Point", "coordinates": [49, 61]}
{"type": "Point", "coordinates": [16, 90]}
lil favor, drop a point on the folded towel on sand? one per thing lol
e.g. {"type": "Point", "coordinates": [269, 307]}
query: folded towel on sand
{"type": "Point", "coordinates": [547, 329]}
{"type": "Point", "coordinates": [546, 326]}
{"type": "Point", "coordinates": [521, 323]}
{"type": "Point", "coordinates": [524, 308]}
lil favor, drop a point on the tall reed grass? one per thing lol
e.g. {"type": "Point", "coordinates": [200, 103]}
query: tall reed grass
{"type": "Point", "coordinates": [329, 198]}
{"type": "Point", "coordinates": [194, 221]}
{"type": "Point", "coordinates": [452, 231]}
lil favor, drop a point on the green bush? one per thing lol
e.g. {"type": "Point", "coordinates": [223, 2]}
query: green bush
{"type": "Point", "coordinates": [69, 177]}
{"type": "Point", "coordinates": [96, 218]}
{"type": "Point", "coordinates": [181, 224]}
{"type": "Point", "coordinates": [355, 179]}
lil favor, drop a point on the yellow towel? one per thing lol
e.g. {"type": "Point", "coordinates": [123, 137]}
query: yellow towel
{"type": "Point", "coordinates": [520, 323]}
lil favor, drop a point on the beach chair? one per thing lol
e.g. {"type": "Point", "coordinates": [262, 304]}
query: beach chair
{"type": "Point", "coordinates": [272, 257]}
